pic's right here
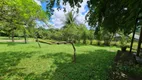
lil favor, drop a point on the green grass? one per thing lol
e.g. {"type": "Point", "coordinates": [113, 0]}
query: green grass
{"type": "Point", "coordinates": [20, 61]}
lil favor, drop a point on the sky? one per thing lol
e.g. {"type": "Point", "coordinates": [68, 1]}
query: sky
{"type": "Point", "coordinates": [58, 18]}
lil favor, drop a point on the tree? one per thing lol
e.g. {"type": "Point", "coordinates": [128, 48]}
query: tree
{"type": "Point", "coordinates": [70, 31]}
{"type": "Point", "coordinates": [91, 36]}
{"type": "Point", "coordinates": [110, 14]}
{"type": "Point", "coordinates": [107, 37]}
{"type": "Point", "coordinates": [98, 35]}
{"type": "Point", "coordinates": [18, 12]}
{"type": "Point", "coordinates": [70, 28]}
{"type": "Point", "coordinates": [84, 33]}
{"type": "Point", "coordinates": [31, 14]}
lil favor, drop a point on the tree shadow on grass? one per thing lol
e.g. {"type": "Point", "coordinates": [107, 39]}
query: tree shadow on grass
{"type": "Point", "coordinates": [8, 61]}
{"type": "Point", "coordinates": [93, 65]}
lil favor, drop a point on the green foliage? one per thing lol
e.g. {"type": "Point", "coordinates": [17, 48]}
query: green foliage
{"type": "Point", "coordinates": [18, 15]}
{"type": "Point", "coordinates": [84, 34]}
{"type": "Point", "coordinates": [57, 34]}
{"type": "Point", "coordinates": [107, 37]}
{"type": "Point", "coordinates": [70, 18]}
{"type": "Point", "coordinates": [67, 33]}
{"type": "Point", "coordinates": [103, 34]}
{"type": "Point", "coordinates": [91, 34]}
{"type": "Point", "coordinates": [70, 32]}
{"type": "Point", "coordinates": [73, 31]}
{"type": "Point", "coordinates": [113, 15]}
{"type": "Point", "coordinates": [123, 39]}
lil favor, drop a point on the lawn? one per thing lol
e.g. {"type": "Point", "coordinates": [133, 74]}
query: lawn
{"type": "Point", "coordinates": [20, 61]}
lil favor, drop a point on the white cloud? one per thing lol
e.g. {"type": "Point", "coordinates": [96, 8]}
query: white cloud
{"type": "Point", "coordinates": [38, 2]}
{"type": "Point", "coordinates": [83, 4]}
{"type": "Point", "coordinates": [58, 17]}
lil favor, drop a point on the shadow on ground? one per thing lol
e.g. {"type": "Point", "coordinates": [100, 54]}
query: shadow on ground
{"type": "Point", "coordinates": [94, 65]}
{"type": "Point", "coordinates": [8, 61]}
{"type": "Point", "coordinates": [89, 66]}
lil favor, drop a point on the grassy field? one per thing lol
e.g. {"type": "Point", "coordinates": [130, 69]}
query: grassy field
{"type": "Point", "coordinates": [20, 61]}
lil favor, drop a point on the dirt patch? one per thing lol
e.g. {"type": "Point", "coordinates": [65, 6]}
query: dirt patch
{"type": "Point", "coordinates": [121, 69]}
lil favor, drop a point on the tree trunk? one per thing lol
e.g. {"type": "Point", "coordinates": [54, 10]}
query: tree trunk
{"type": "Point", "coordinates": [84, 41]}
{"type": "Point", "coordinates": [98, 42]}
{"type": "Point", "coordinates": [74, 56]}
{"type": "Point", "coordinates": [9, 37]}
{"type": "Point", "coordinates": [133, 36]}
{"type": "Point", "coordinates": [38, 42]}
{"type": "Point", "coordinates": [134, 31]}
{"type": "Point", "coordinates": [91, 41]}
{"type": "Point", "coordinates": [25, 37]}
{"type": "Point", "coordinates": [79, 41]}
{"type": "Point", "coordinates": [12, 35]}
{"type": "Point", "coordinates": [106, 42]}
{"type": "Point", "coordinates": [139, 43]}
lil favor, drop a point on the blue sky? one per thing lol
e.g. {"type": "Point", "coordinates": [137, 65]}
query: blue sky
{"type": "Point", "coordinates": [43, 4]}
{"type": "Point", "coordinates": [58, 18]}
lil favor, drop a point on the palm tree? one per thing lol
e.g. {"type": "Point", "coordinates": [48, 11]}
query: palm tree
{"type": "Point", "coordinates": [70, 19]}
{"type": "Point", "coordinates": [70, 30]}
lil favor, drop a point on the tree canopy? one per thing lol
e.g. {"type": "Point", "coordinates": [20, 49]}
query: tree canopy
{"type": "Point", "coordinates": [20, 14]}
{"type": "Point", "coordinates": [113, 15]}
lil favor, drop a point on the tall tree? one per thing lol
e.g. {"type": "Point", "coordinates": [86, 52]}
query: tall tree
{"type": "Point", "coordinates": [84, 33]}
{"type": "Point", "coordinates": [91, 36]}
{"type": "Point", "coordinates": [70, 31]}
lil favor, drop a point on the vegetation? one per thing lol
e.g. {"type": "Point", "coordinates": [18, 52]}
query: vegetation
{"type": "Point", "coordinates": [94, 48]}
{"type": "Point", "coordinates": [27, 61]}
{"type": "Point", "coordinates": [17, 16]}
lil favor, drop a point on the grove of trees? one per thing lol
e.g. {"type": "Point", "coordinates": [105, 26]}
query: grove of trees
{"type": "Point", "coordinates": [106, 17]}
